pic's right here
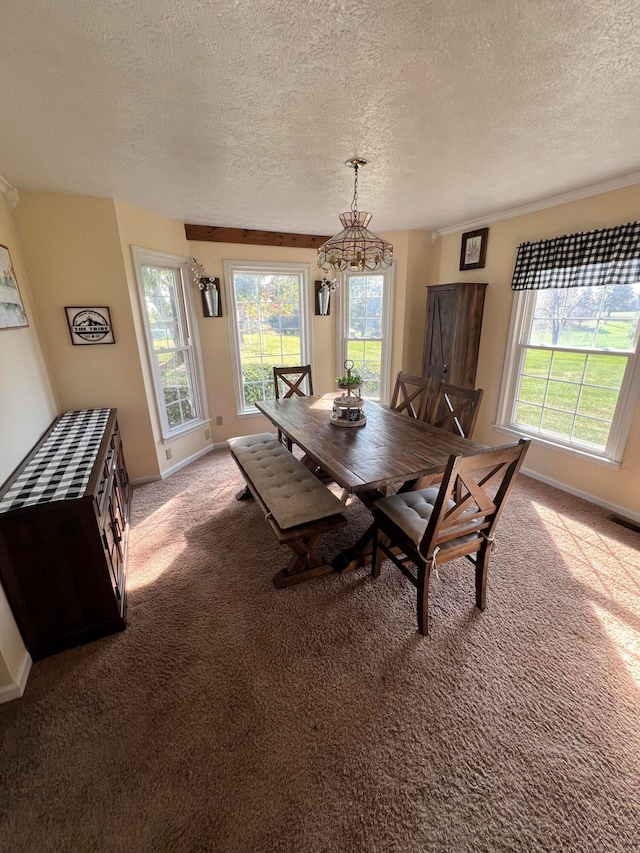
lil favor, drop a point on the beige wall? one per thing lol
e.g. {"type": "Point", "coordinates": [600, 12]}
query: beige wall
{"type": "Point", "coordinates": [148, 230]}
{"type": "Point", "coordinates": [28, 401]}
{"type": "Point", "coordinates": [620, 488]}
{"type": "Point", "coordinates": [421, 255]}
{"type": "Point", "coordinates": [27, 409]}
{"type": "Point", "coordinates": [73, 256]}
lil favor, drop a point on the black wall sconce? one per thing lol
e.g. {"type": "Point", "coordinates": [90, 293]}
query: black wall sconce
{"type": "Point", "coordinates": [210, 292]}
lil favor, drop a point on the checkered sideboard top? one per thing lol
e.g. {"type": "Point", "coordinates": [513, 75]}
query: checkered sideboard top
{"type": "Point", "coordinates": [61, 468]}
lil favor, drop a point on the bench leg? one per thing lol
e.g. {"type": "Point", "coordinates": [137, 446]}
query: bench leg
{"type": "Point", "coordinates": [356, 556]}
{"type": "Point", "coordinates": [306, 563]}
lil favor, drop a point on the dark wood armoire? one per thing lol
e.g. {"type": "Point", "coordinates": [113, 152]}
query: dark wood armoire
{"type": "Point", "coordinates": [452, 339]}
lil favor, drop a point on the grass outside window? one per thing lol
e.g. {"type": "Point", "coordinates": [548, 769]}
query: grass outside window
{"type": "Point", "coordinates": [574, 351]}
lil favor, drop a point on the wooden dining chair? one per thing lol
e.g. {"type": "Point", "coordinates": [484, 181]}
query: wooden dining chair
{"type": "Point", "coordinates": [455, 409]}
{"type": "Point", "coordinates": [290, 382]}
{"type": "Point", "coordinates": [420, 530]}
{"type": "Point", "coordinates": [410, 395]}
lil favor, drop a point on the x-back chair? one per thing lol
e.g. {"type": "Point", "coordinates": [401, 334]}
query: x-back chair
{"type": "Point", "coordinates": [456, 409]}
{"type": "Point", "coordinates": [290, 382]}
{"type": "Point", "coordinates": [410, 395]}
{"type": "Point", "coordinates": [420, 530]}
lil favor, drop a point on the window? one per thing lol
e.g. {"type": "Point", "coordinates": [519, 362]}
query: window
{"type": "Point", "coordinates": [365, 304]}
{"type": "Point", "coordinates": [269, 322]}
{"type": "Point", "coordinates": [171, 337]}
{"type": "Point", "coordinates": [572, 375]}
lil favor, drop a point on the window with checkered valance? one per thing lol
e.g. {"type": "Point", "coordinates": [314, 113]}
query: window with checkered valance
{"type": "Point", "coordinates": [589, 259]}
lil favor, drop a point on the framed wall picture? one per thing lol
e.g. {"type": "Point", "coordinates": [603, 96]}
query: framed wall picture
{"type": "Point", "coordinates": [12, 313]}
{"type": "Point", "coordinates": [89, 326]}
{"type": "Point", "coordinates": [473, 249]}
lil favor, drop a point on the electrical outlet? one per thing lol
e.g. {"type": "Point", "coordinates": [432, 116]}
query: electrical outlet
{"type": "Point", "coordinates": [169, 452]}
{"type": "Point", "coordinates": [207, 434]}
{"type": "Point", "coordinates": [219, 420]}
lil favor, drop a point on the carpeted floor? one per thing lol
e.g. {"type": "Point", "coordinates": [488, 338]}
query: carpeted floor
{"type": "Point", "coordinates": [234, 717]}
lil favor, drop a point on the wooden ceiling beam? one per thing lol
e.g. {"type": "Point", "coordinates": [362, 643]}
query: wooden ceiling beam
{"type": "Point", "coordinates": [215, 234]}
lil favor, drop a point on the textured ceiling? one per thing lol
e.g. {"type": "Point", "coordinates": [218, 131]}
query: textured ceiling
{"type": "Point", "coordinates": [241, 113]}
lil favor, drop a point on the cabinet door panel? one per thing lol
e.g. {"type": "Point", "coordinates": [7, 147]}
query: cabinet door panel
{"type": "Point", "coordinates": [452, 335]}
{"type": "Point", "coordinates": [440, 330]}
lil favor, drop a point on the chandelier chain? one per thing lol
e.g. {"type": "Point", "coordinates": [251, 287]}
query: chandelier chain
{"type": "Point", "coordinates": [354, 203]}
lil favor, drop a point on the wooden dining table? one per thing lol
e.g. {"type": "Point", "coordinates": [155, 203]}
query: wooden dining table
{"type": "Point", "coordinates": [390, 448]}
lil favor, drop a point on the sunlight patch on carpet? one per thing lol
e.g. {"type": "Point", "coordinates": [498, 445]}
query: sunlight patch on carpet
{"type": "Point", "coordinates": [609, 571]}
{"type": "Point", "coordinates": [625, 638]}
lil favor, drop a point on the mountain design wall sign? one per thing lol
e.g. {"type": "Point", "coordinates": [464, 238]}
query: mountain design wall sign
{"type": "Point", "coordinates": [89, 326]}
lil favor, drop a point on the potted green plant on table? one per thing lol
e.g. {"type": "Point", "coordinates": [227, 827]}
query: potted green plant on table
{"type": "Point", "coordinates": [352, 380]}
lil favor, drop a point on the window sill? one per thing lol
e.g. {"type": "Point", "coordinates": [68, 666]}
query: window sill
{"type": "Point", "coordinates": [192, 427]}
{"type": "Point", "coordinates": [256, 413]}
{"type": "Point", "coordinates": [585, 455]}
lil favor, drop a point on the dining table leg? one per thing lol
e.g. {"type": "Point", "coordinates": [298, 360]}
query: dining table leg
{"type": "Point", "coordinates": [356, 556]}
{"type": "Point", "coordinates": [360, 553]}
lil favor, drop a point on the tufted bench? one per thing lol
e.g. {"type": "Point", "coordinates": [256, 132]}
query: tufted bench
{"type": "Point", "coordinates": [297, 506]}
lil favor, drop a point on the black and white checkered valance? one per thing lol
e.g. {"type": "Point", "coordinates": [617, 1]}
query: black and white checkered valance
{"type": "Point", "coordinates": [590, 259]}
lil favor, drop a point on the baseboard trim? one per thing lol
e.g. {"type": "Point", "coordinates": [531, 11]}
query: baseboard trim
{"type": "Point", "coordinates": [615, 508]}
{"type": "Point", "coordinates": [183, 464]}
{"type": "Point", "coordinates": [140, 481]}
{"type": "Point", "coordinates": [15, 691]}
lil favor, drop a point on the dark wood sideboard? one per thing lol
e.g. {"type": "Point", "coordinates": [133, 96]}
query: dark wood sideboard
{"type": "Point", "coordinates": [64, 524]}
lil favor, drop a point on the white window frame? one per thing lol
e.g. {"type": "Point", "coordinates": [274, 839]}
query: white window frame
{"type": "Point", "coordinates": [342, 329]}
{"type": "Point", "coordinates": [306, 303]}
{"type": "Point", "coordinates": [521, 320]}
{"type": "Point", "coordinates": [149, 257]}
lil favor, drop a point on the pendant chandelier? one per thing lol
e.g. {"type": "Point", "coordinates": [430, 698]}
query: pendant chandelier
{"type": "Point", "coordinates": [355, 249]}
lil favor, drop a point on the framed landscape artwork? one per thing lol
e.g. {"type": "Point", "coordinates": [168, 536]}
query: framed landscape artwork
{"type": "Point", "coordinates": [12, 313]}
{"type": "Point", "coordinates": [89, 326]}
{"type": "Point", "coordinates": [473, 249]}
